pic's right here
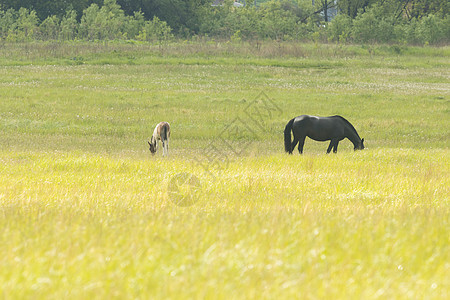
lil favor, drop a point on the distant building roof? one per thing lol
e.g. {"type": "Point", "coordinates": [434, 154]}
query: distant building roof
{"type": "Point", "coordinates": [220, 3]}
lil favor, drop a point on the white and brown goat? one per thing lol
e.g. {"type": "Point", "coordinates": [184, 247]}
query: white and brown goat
{"type": "Point", "coordinates": [161, 133]}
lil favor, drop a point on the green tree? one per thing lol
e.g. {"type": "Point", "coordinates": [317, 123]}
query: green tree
{"type": "Point", "coordinates": [278, 20]}
{"type": "Point", "coordinates": [69, 26]}
{"type": "Point", "coordinates": [324, 6]}
{"type": "Point", "coordinates": [106, 22]}
{"type": "Point", "coordinates": [26, 26]}
{"type": "Point", "coordinates": [366, 26]}
{"type": "Point", "coordinates": [156, 30]}
{"type": "Point", "coordinates": [47, 8]}
{"type": "Point", "coordinates": [88, 26]}
{"type": "Point", "coordinates": [111, 19]}
{"type": "Point", "coordinates": [7, 22]}
{"type": "Point", "coordinates": [50, 28]}
{"type": "Point", "coordinates": [133, 25]}
{"type": "Point", "coordinates": [217, 21]}
{"type": "Point", "coordinates": [431, 30]}
{"type": "Point", "coordinates": [422, 8]}
{"type": "Point", "coordinates": [340, 28]}
{"type": "Point", "coordinates": [352, 7]}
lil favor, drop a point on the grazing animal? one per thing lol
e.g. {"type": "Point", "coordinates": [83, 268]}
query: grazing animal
{"type": "Point", "coordinates": [334, 128]}
{"type": "Point", "coordinates": [161, 133]}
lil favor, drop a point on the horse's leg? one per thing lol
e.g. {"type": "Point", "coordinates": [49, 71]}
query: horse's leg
{"type": "Point", "coordinates": [294, 143]}
{"type": "Point", "coordinates": [164, 147]}
{"type": "Point", "coordinates": [330, 146]}
{"type": "Point", "coordinates": [333, 144]}
{"type": "Point", "coordinates": [301, 143]}
{"type": "Point", "coordinates": [335, 147]}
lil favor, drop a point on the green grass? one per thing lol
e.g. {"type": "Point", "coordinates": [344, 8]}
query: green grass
{"type": "Point", "coordinates": [85, 210]}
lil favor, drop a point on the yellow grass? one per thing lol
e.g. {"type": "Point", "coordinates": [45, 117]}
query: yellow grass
{"type": "Point", "coordinates": [370, 224]}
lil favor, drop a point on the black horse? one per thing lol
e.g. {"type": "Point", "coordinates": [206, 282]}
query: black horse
{"type": "Point", "coordinates": [334, 128]}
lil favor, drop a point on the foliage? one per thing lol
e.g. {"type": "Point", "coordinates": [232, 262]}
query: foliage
{"type": "Point", "coordinates": [385, 24]}
{"type": "Point", "coordinates": [372, 26]}
{"type": "Point", "coordinates": [351, 8]}
{"type": "Point", "coordinates": [69, 26]}
{"type": "Point", "coordinates": [155, 30]}
{"type": "Point", "coordinates": [49, 28]}
{"type": "Point", "coordinates": [368, 21]}
{"type": "Point", "coordinates": [423, 8]}
{"type": "Point", "coordinates": [277, 20]}
{"type": "Point", "coordinates": [340, 28]}
{"type": "Point", "coordinates": [20, 25]}
{"type": "Point", "coordinates": [8, 21]}
{"type": "Point", "coordinates": [102, 23]}
{"type": "Point", "coordinates": [432, 30]}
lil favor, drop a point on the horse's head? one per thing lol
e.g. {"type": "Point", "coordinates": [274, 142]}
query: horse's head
{"type": "Point", "coordinates": [360, 145]}
{"type": "Point", "coordinates": [152, 147]}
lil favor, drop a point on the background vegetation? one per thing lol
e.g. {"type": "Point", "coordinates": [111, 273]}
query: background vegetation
{"type": "Point", "coordinates": [370, 21]}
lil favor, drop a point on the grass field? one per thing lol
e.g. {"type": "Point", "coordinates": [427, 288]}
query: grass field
{"type": "Point", "coordinates": [86, 212]}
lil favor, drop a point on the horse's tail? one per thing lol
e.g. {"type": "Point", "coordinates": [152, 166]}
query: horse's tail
{"type": "Point", "coordinates": [164, 134]}
{"type": "Point", "coordinates": [287, 136]}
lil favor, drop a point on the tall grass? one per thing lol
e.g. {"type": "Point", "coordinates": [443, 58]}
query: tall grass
{"type": "Point", "coordinates": [366, 225]}
{"type": "Point", "coordinates": [204, 52]}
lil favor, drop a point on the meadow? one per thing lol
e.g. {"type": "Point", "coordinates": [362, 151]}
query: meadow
{"type": "Point", "coordinates": [87, 213]}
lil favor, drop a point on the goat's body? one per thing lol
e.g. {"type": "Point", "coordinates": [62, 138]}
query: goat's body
{"type": "Point", "coordinates": [161, 133]}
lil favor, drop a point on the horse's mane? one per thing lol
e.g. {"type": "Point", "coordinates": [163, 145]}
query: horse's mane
{"type": "Point", "coordinates": [348, 123]}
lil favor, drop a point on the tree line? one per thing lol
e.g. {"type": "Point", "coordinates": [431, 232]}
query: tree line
{"type": "Point", "coordinates": [358, 21]}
